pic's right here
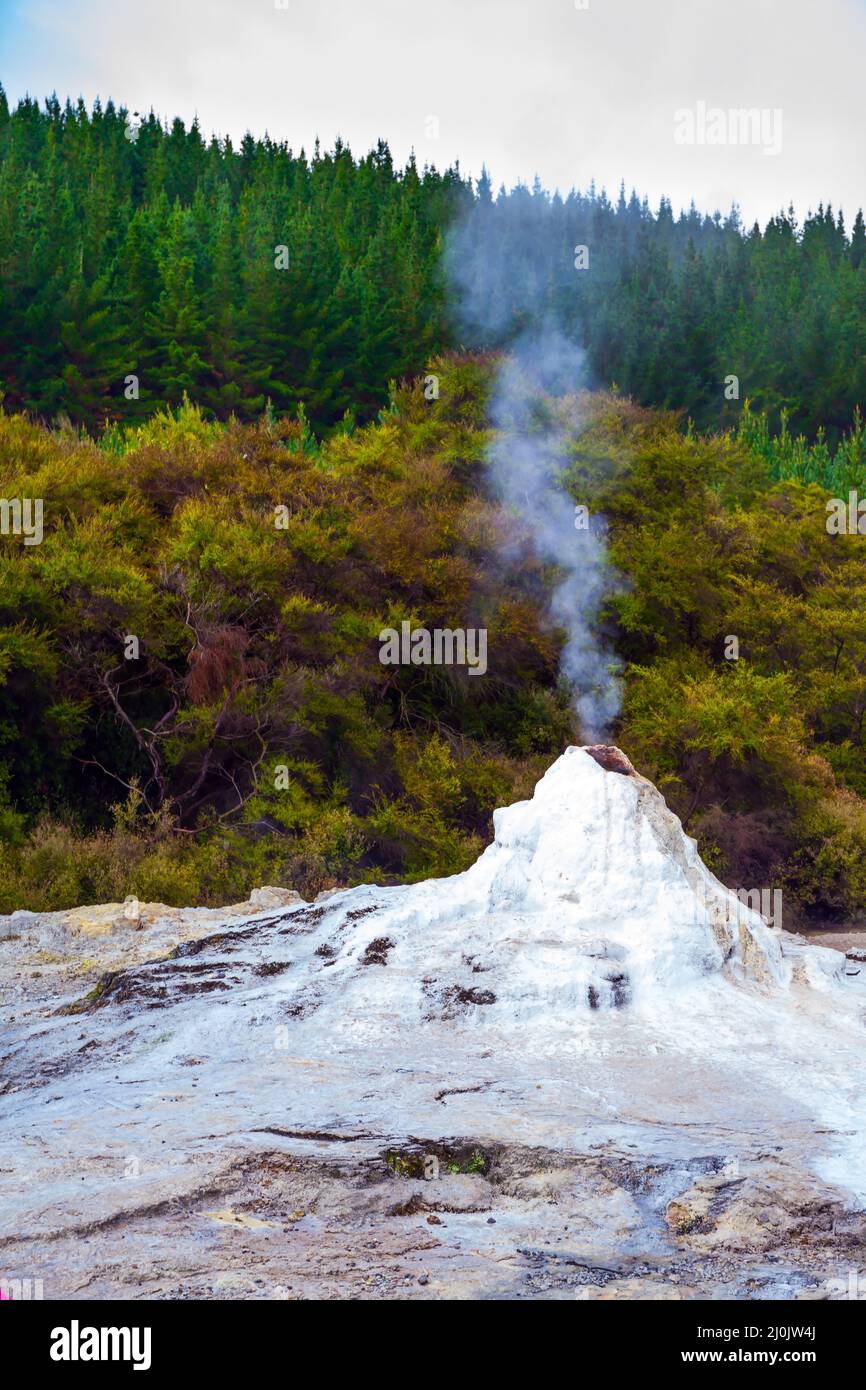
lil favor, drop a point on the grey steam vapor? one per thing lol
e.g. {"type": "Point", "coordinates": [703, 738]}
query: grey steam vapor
{"type": "Point", "coordinates": [529, 451]}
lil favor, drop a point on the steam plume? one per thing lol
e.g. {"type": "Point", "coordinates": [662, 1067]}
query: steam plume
{"type": "Point", "coordinates": [528, 452]}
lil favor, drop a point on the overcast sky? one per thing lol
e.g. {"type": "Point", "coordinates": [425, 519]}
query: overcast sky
{"type": "Point", "coordinates": [526, 86]}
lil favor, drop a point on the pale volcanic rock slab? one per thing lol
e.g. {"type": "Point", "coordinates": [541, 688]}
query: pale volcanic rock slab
{"type": "Point", "coordinates": [586, 988]}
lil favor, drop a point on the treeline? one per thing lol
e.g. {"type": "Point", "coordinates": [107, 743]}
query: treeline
{"type": "Point", "coordinates": [128, 248]}
{"type": "Point", "coordinates": [669, 307]}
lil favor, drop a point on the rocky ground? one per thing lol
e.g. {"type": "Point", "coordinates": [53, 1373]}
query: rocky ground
{"type": "Point", "coordinates": [521, 1222]}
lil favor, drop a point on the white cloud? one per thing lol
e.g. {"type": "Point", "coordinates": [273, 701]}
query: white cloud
{"type": "Point", "coordinates": [529, 86]}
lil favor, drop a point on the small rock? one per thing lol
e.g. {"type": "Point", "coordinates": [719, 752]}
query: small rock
{"type": "Point", "coordinates": [105, 918]}
{"type": "Point", "coordinates": [274, 897]}
{"type": "Point", "coordinates": [611, 758]}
